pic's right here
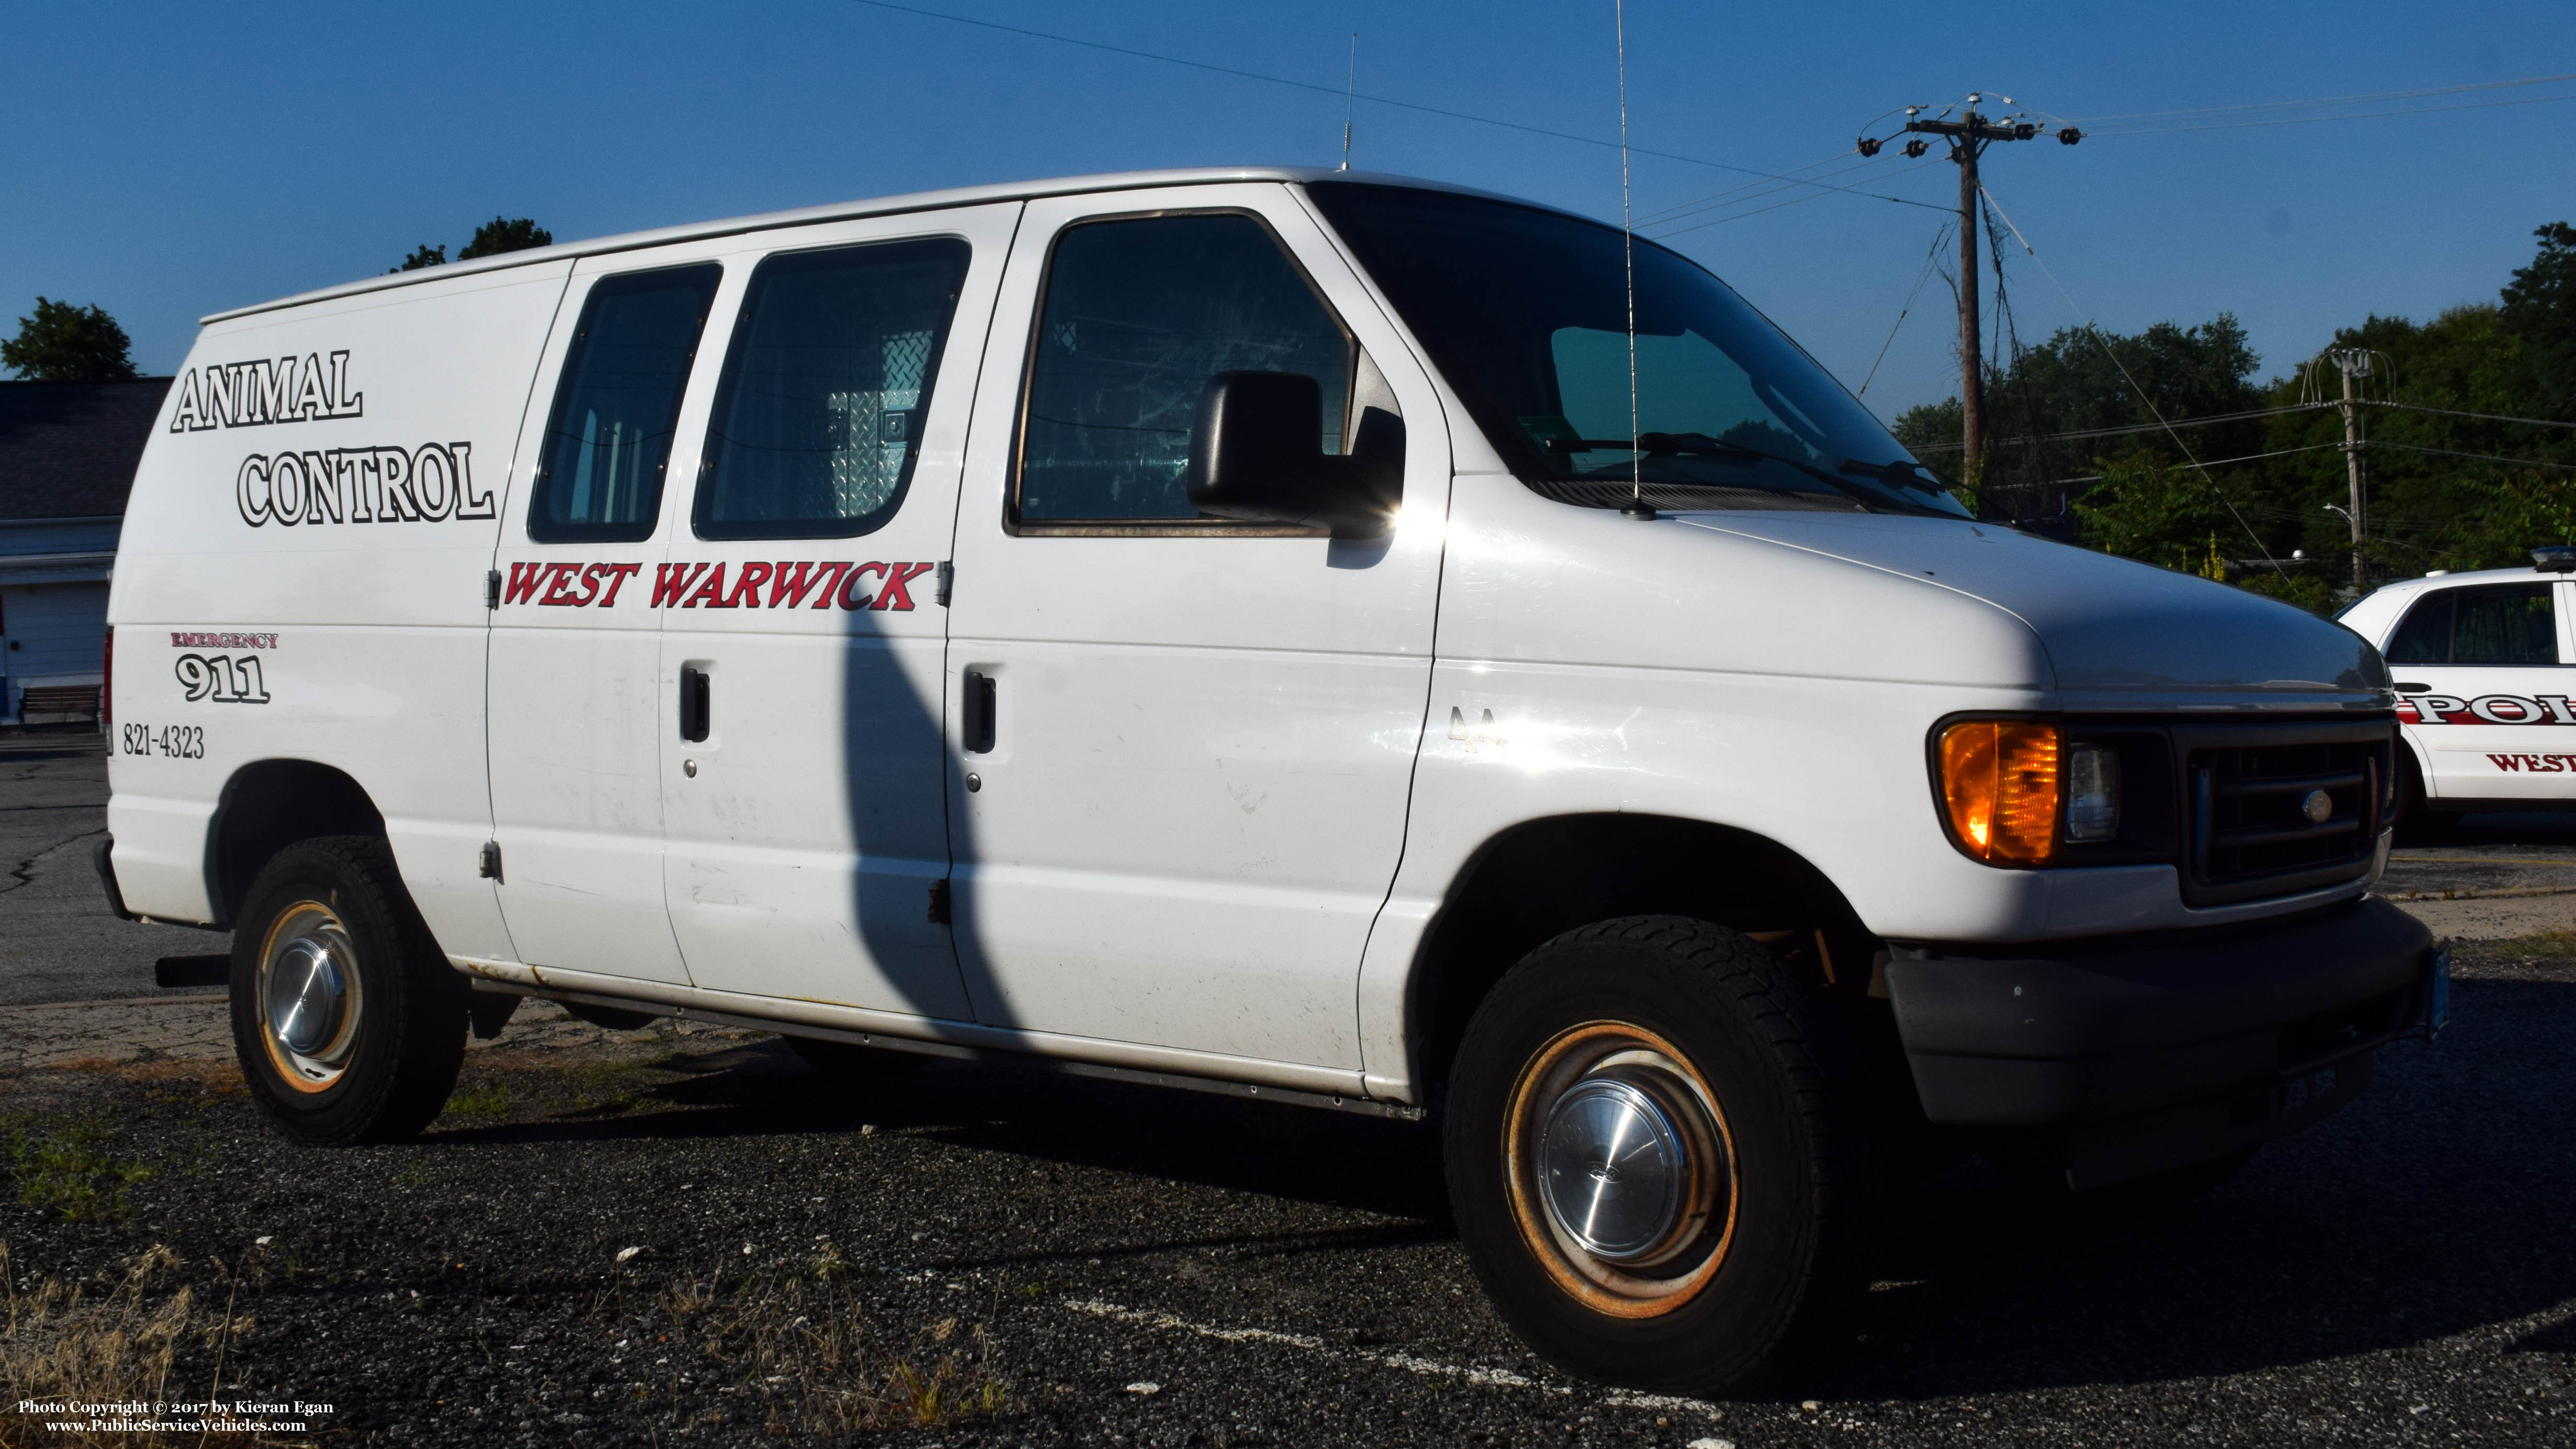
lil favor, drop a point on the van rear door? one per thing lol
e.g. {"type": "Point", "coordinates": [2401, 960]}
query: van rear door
{"type": "Point", "coordinates": [578, 714]}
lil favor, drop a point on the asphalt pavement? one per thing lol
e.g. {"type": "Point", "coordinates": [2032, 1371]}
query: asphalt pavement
{"type": "Point", "coordinates": [1077, 1262]}
{"type": "Point", "coordinates": [57, 940]}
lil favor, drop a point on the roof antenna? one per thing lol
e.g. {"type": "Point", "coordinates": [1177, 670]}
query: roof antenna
{"type": "Point", "coordinates": [1350, 87]}
{"type": "Point", "coordinates": [1628, 239]}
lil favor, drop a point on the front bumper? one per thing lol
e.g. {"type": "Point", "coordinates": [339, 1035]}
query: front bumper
{"type": "Point", "coordinates": [2143, 1057]}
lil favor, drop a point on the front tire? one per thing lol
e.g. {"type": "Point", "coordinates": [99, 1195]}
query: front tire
{"type": "Point", "coordinates": [2416, 822]}
{"type": "Point", "coordinates": [1654, 1155]}
{"type": "Point", "coordinates": [347, 1019]}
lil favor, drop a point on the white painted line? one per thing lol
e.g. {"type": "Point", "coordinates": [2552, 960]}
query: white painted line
{"type": "Point", "coordinates": [1429, 1368]}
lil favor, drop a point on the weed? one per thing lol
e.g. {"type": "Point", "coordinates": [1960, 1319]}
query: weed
{"type": "Point", "coordinates": [483, 1099]}
{"type": "Point", "coordinates": [64, 1346]}
{"type": "Point", "coordinates": [63, 1165]}
{"type": "Point", "coordinates": [802, 1344]}
{"type": "Point", "coordinates": [2547, 944]}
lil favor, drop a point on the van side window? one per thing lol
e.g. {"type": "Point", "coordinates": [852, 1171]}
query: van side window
{"type": "Point", "coordinates": [2512, 624]}
{"type": "Point", "coordinates": [608, 441]}
{"type": "Point", "coordinates": [1138, 315]}
{"type": "Point", "coordinates": [818, 416]}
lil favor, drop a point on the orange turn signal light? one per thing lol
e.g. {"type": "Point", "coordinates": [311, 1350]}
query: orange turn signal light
{"type": "Point", "coordinates": [2001, 781]}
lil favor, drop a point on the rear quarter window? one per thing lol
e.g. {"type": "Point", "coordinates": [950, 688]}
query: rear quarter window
{"type": "Point", "coordinates": [2503, 624]}
{"type": "Point", "coordinates": [608, 440]}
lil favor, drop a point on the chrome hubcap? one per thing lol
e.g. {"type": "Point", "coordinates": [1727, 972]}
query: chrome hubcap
{"type": "Point", "coordinates": [309, 996]}
{"type": "Point", "coordinates": [1615, 1166]}
{"type": "Point", "coordinates": [1622, 1173]}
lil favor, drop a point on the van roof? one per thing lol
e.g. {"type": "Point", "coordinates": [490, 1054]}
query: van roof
{"type": "Point", "coordinates": [846, 210]}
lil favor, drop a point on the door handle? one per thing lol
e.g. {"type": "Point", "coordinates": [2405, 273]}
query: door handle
{"type": "Point", "coordinates": [982, 707]}
{"type": "Point", "coordinates": [2402, 687]}
{"type": "Point", "coordinates": [694, 700]}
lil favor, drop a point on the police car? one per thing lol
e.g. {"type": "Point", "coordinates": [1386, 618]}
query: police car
{"type": "Point", "coordinates": [2484, 666]}
{"type": "Point", "coordinates": [1240, 630]}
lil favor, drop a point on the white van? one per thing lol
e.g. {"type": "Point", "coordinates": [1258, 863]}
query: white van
{"type": "Point", "coordinates": [2486, 666]}
{"type": "Point", "coordinates": [1228, 629]}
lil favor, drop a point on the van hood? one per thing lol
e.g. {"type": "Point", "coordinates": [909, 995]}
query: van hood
{"type": "Point", "coordinates": [2118, 634]}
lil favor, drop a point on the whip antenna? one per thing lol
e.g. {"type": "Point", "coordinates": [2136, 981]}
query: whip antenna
{"type": "Point", "coordinates": [1628, 242]}
{"type": "Point", "coordinates": [1350, 88]}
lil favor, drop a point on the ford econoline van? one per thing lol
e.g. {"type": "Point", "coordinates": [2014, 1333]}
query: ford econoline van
{"type": "Point", "coordinates": [1240, 630]}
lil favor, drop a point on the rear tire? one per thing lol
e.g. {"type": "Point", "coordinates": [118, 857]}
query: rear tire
{"type": "Point", "coordinates": [347, 1019]}
{"type": "Point", "coordinates": [1654, 1154]}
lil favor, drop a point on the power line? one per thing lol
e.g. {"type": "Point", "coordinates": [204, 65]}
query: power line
{"type": "Point", "coordinates": [2354, 116]}
{"type": "Point", "coordinates": [2152, 410]}
{"type": "Point", "coordinates": [1797, 201]}
{"type": "Point", "coordinates": [1733, 196]}
{"type": "Point", "coordinates": [1348, 94]}
{"type": "Point", "coordinates": [2216, 418]}
{"type": "Point", "coordinates": [2215, 463]}
{"type": "Point", "coordinates": [2211, 420]}
{"type": "Point", "coordinates": [1718, 197]}
{"type": "Point", "coordinates": [2456, 413]}
{"type": "Point", "coordinates": [1966, 139]}
{"type": "Point", "coordinates": [2481, 457]}
{"type": "Point", "coordinates": [2372, 98]}
{"type": "Point", "coordinates": [1931, 259]}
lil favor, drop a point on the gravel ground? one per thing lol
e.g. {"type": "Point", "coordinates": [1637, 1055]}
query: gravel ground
{"type": "Point", "coordinates": [2406, 1274]}
{"type": "Point", "coordinates": [974, 1255]}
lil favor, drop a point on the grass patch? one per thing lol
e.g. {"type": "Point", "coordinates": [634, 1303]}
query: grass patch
{"type": "Point", "coordinates": [482, 1099]}
{"type": "Point", "coordinates": [802, 1358]}
{"type": "Point", "coordinates": [63, 1344]}
{"type": "Point", "coordinates": [2547, 943]}
{"type": "Point", "coordinates": [63, 1165]}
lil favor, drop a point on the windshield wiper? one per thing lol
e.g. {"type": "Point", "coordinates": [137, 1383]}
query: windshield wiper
{"type": "Point", "coordinates": [1673, 445]}
{"type": "Point", "coordinates": [1662, 445]}
{"type": "Point", "coordinates": [1895, 475]}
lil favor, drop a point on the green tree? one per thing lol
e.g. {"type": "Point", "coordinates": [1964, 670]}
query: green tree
{"type": "Point", "coordinates": [1930, 431]}
{"type": "Point", "coordinates": [64, 343]}
{"type": "Point", "coordinates": [2436, 494]}
{"type": "Point", "coordinates": [500, 234]}
{"type": "Point", "coordinates": [2080, 382]}
{"type": "Point", "coordinates": [510, 234]}
{"type": "Point", "coordinates": [2539, 312]}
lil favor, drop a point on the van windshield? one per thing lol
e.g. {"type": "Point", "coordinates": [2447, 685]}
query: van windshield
{"type": "Point", "coordinates": [1525, 312]}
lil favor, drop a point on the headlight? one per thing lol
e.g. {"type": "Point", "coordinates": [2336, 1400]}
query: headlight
{"type": "Point", "coordinates": [2001, 782]}
{"type": "Point", "coordinates": [2092, 792]}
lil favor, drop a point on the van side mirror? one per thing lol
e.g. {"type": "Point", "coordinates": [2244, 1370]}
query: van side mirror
{"type": "Point", "coordinates": [1257, 456]}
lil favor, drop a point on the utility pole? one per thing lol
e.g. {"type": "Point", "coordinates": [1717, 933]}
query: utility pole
{"type": "Point", "coordinates": [1969, 135]}
{"type": "Point", "coordinates": [2354, 363]}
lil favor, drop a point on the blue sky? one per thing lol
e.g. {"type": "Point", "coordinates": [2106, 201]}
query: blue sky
{"type": "Point", "coordinates": [165, 161]}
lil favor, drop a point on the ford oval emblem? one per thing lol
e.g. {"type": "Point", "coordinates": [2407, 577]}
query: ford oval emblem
{"type": "Point", "coordinates": [2318, 807]}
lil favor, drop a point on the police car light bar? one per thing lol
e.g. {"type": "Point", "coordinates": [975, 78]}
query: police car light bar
{"type": "Point", "coordinates": [2554, 559]}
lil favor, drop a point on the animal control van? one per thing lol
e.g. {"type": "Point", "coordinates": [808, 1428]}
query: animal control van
{"type": "Point", "coordinates": [1230, 629]}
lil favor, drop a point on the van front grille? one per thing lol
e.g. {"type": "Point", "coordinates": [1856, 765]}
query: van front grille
{"type": "Point", "coordinates": [2281, 809]}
